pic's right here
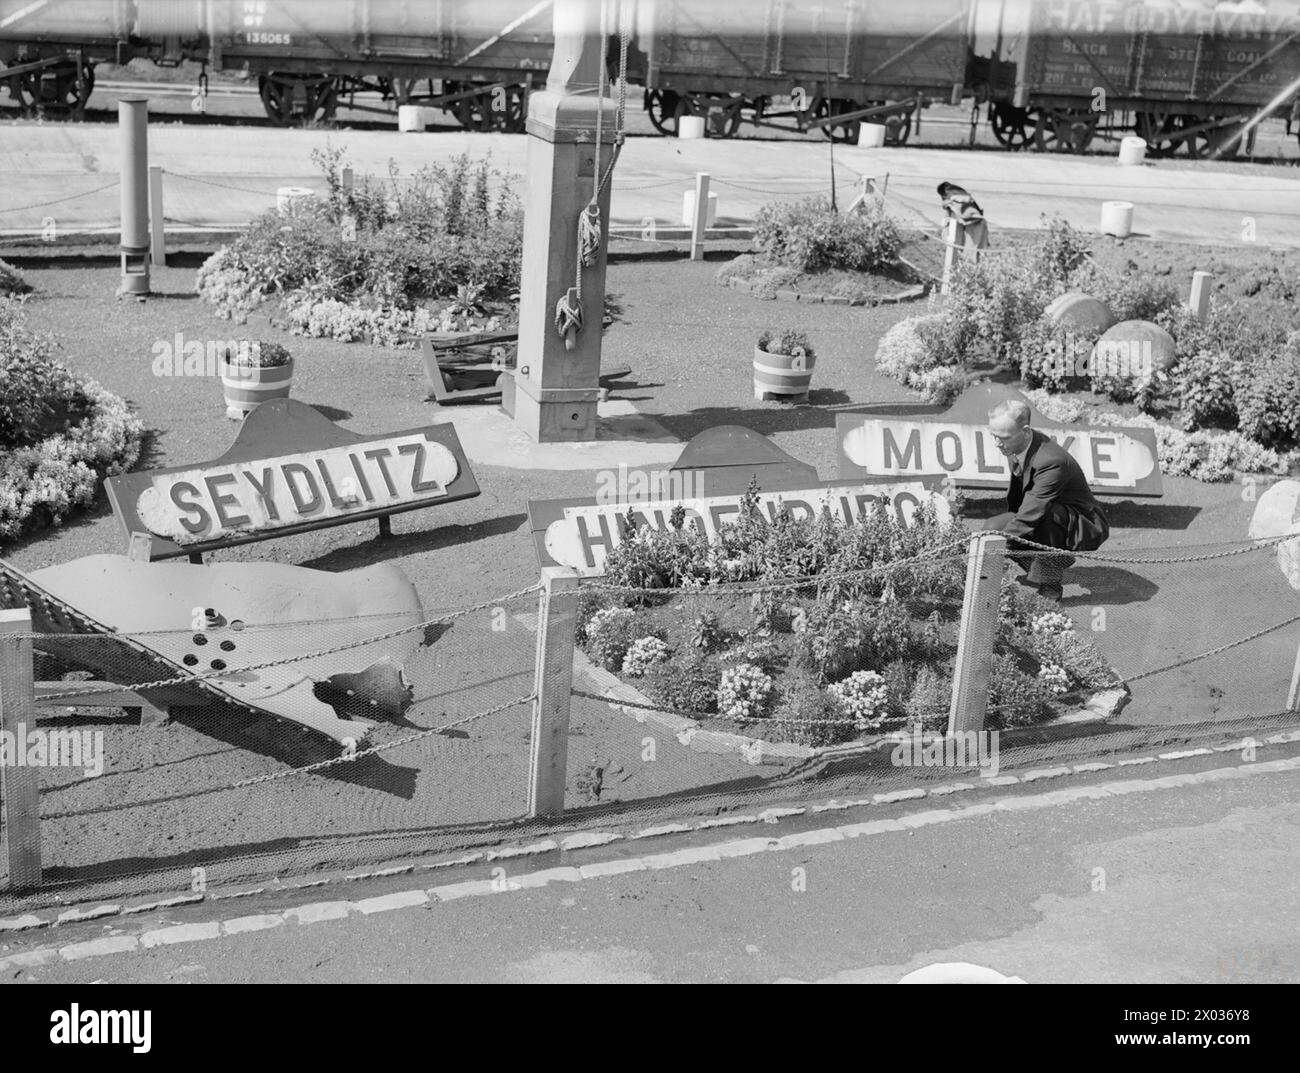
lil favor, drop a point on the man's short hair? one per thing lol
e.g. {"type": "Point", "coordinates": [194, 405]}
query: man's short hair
{"type": "Point", "coordinates": [1013, 408]}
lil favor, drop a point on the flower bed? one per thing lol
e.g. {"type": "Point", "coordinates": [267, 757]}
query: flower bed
{"type": "Point", "coordinates": [805, 248]}
{"type": "Point", "coordinates": [1228, 401]}
{"type": "Point", "coordinates": [59, 436]}
{"type": "Point", "coordinates": [866, 642]}
{"type": "Point", "coordinates": [379, 257]}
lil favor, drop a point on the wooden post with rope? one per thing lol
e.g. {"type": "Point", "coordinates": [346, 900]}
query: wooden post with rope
{"type": "Point", "coordinates": [575, 133]}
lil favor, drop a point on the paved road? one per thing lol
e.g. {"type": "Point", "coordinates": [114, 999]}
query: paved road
{"type": "Point", "coordinates": [222, 176]}
{"type": "Point", "coordinates": [1178, 871]}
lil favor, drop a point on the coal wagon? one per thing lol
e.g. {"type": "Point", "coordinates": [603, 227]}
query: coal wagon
{"type": "Point", "coordinates": [476, 61]}
{"type": "Point", "coordinates": [49, 49]}
{"type": "Point", "coordinates": [1181, 75]}
{"type": "Point", "coordinates": [814, 64]}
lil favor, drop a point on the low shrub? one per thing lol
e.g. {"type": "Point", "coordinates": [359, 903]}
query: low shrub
{"type": "Point", "coordinates": [790, 343]}
{"type": "Point", "coordinates": [744, 692]}
{"type": "Point", "coordinates": [913, 353]}
{"type": "Point", "coordinates": [1267, 395]}
{"type": "Point", "coordinates": [59, 436]}
{"type": "Point", "coordinates": [806, 714]}
{"type": "Point", "coordinates": [1016, 698]}
{"type": "Point", "coordinates": [687, 682]}
{"type": "Point", "coordinates": [12, 283]}
{"type": "Point", "coordinates": [930, 698]}
{"type": "Point", "coordinates": [863, 697]}
{"type": "Point", "coordinates": [642, 654]}
{"type": "Point", "coordinates": [394, 246]}
{"type": "Point", "coordinates": [609, 634]}
{"type": "Point", "coordinates": [810, 236]}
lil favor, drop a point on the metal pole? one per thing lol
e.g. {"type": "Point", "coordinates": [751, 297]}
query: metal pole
{"type": "Point", "coordinates": [19, 784]}
{"type": "Point", "coordinates": [133, 124]}
{"type": "Point", "coordinates": [157, 239]}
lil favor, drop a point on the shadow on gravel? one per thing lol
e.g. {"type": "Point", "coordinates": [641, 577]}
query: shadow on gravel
{"type": "Point", "coordinates": [400, 545]}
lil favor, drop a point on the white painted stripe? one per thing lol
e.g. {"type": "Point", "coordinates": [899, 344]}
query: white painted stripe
{"type": "Point", "coordinates": [325, 911]}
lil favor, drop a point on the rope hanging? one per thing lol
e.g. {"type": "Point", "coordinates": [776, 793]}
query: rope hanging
{"type": "Point", "coordinates": [568, 310]}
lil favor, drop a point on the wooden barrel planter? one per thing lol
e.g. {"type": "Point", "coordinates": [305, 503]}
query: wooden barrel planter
{"type": "Point", "coordinates": [781, 376]}
{"type": "Point", "coordinates": [248, 386]}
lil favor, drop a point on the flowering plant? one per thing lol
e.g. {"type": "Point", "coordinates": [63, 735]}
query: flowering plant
{"type": "Point", "coordinates": [743, 692]}
{"type": "Point", "coordinates": [642, 654]}
{"type": "Point", "coordinates": [791, 344]}
{"type": "Point", "coordinates": [864, 696]}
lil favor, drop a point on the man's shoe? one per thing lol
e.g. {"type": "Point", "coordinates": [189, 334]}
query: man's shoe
{"type": "Point", "coordinates": [1051, 592]}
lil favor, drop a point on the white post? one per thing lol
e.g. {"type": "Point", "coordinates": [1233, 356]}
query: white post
{"type": "Point", "coordinates": [1293, 696]}
{"type": "Point", "coordinates": [955, 239]}
{"type": "Point", "coordinates": [1200, 298]}
{"type": "Point", "coordinates": [19, 786]}
{"type": "Point", "coordinates": [979, 620]}
{"type": "Point", "coordinates": [557, 615]}
{"type": "Point", "coordinates": [699, 224]}
{"type": "Point", "coordinates": [157, 240]}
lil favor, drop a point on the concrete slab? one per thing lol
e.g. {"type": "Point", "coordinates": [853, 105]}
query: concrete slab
{"type": "Point", "coordinates": [490, 438]}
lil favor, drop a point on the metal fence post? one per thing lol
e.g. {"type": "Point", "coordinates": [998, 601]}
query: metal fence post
{"type": "Point", "coordinates": [133, 128]}
{"type": "Point", "coordinates": [157, 239]}
{"type": "Point", "coordinates": [19, 786]}
{"type": "Point", "coordinates": [956, 237]}
{"type": "Point", "coordinates": [979, 620]}
{"type": "Point", "coordinates": [700, 219]}
{"type": "Point", "coordinates": [557, 615]}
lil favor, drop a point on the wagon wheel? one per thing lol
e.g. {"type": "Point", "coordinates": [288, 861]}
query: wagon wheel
{"type": "Point", "coordinates": [1066, 131]}
{"type": "Point", "coordinates": [662, 108]}
{"type": "Point", "coordinates": [1223, 143]}
{"type": "Point", "coordinates": [297, 100]}
{"type": "Point", "coordinates": [53, 91]}
{"type": "Point", "coordinates": [475, 112]}
{"type": "Point", "coordinates": [898, 129]}
{"type": "Point", "coordinates": [1159, 130]}
{"type": "Point", "coordinates": [720, 112]}
{"type": "Point", "coordinates": [838, 132]}
{"type": "Point", "coordinates": [1014, 128]}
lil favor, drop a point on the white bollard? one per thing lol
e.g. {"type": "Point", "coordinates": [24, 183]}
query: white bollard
{"type": "Point", "coordinates": [871, 135]}
{"type": "Point", "coordinates": [1199, 302]}
{"type": "Point", "coordinates": [1132, 150]}
{"type": "Point", "coordinates": [1117, 218]}
{"type": "Point", "coordinates": [410, 118]}
{"type": "Point", "coordinates": [688, 209]}
{"type": "Point", "coordinates": [690, 126]}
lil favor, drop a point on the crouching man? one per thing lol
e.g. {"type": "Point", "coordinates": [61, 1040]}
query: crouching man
{"type": "Point", "coordinates": [1049, 501]}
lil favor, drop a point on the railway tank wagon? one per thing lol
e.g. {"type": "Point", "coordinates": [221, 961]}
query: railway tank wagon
{"type": "Point", "coordinates": [476, 61]}
{"type": "Point", "coordinates": [1183, 76]}
{"type": "Point", "coordinates": [826, 58]}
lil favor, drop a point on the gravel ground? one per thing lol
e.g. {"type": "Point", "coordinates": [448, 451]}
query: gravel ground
{"type": "Point", "coordinates": [689, 343]}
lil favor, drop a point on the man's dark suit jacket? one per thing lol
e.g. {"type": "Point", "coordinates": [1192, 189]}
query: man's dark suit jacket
{"type": "Point", "coordinates": [1051, 476]}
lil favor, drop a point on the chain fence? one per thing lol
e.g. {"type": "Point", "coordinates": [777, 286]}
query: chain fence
{"type": "Point", "coordinates": [820, 687]}
{"type": "Point", "coordinates": [704, 700]}
{"type": "Point", "coordinates": [235, 756]}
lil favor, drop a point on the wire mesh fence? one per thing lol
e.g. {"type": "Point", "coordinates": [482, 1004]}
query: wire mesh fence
{"type": "Point", "coordinates": [711, 698]}
{"type": "Point", "coordinates": [254, 773]}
